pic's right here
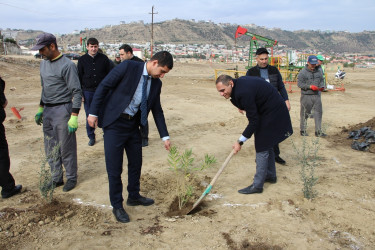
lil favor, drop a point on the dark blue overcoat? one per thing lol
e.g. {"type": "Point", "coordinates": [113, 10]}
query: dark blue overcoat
{"type": "Point", "coordinates": [266, 111]}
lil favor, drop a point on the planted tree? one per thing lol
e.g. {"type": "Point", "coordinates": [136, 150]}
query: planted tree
{"type": "Point", "coordinates": [308, 159]}
{"type": "Point", "coordinates": [182, 164]}
{"type": "Point", "coordinates": [45, 174]}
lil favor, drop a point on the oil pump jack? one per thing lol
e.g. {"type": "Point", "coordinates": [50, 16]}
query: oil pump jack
{"type": "Point", "coordinates": [83, 44]}
{"type": "Point", "coordinates": [254, 43]}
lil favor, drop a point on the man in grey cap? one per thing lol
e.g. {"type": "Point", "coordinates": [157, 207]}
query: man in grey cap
{"type": "Point", "coordinates": [117, 60]}
{"type": "Point", "coordinates": [311, 81]}
{"type": "Point", "coordinates": [58, 111]}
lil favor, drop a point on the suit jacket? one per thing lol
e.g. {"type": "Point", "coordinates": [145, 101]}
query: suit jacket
{"type": "Point", "coordinates": [266, 111]}
{"type": "Point", "coordinates": [116, 91]}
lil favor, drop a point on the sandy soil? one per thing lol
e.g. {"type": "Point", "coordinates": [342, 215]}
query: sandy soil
{"type": "Point", "coordinates": [340, 217]}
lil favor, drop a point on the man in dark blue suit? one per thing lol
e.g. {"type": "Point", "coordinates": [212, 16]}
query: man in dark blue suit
{"type": "Point", "coordinates": [268, 118]}
{"type": "Point", "coordinates": [120, 104]}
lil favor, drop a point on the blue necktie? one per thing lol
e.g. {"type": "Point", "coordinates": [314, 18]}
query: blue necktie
{"type": "Point", "coordinates": [144, 101]}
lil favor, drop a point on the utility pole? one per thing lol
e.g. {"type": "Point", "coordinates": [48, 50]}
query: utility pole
{"type": "Point", "coordinates": [152, 29]}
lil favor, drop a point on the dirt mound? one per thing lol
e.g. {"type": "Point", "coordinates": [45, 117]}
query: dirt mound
{"type": "Point", "coordinates": [21, 61]}
{"type": "Point", "coordinates": [28, 222]}
{"type": "Point", "coordinates": [341, 138]}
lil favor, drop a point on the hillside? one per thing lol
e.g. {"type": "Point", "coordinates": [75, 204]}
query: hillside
{"type": "Point", "coordinates": [183, 31]}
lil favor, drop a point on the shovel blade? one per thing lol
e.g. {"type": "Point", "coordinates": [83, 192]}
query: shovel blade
{"type": "Point", "coordinates": [208, 189]}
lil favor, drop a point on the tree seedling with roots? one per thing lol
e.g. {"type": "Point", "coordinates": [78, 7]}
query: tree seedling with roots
{"type": "Point", "coordinates": [183, 166]}
{"type": "Point", "coordinates": [308, 159]}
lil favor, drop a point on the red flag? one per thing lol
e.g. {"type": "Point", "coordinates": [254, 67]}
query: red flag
{"type": "Point", "coordinates": [240, 31]}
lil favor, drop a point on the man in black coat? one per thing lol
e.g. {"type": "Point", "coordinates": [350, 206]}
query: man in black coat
{"type": "Point", "coordinates": [272, 75]}
{"type": "Point", "coordinates": [92, 67]}
{"type": "Point", "coordinates": [6, 179]}
{"type": "Point", "coordinates": [269, 121]}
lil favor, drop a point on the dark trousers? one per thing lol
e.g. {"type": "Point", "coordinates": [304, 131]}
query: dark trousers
{"type": "Point", "coordinates": [6, 179]}
{"type": "Point", "coordinates": [276, 150]}
{"type": "Point", "coordinates": [88, 95]}
{"type": "Point", "coordinates": [144, 131]}
{"type": "Point", "coordinates": [123, 135]}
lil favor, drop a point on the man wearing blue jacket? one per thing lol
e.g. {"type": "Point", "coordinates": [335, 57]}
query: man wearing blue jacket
{"type": "Point", "coordinates": [268, 118]}
{"type": "Point", "coordinates": [120, 105]}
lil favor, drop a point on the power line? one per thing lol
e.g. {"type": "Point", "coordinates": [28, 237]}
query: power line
{"type": "Point", "coordinates": [28, 10]}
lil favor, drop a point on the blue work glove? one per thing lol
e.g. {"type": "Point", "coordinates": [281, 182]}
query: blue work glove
{"type": "Point", "coordinates": [73, 124]}
{"type": "Point", "coordinates": [39, 116]}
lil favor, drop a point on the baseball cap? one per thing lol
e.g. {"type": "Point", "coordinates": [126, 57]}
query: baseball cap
{"type": "Point", "coordinates": [261, 51]}
{"type": "Point", "coordinates": [117, 55]}
{"type": "Point", "coordinates": [320, 57]}
{"type": "Point", "coordinates": [312, 60]}
{"type": "Point", "coordinates": [43, 40]}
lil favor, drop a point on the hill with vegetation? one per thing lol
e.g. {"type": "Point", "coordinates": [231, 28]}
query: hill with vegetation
{"type": "Point", "coordinates": [190, 32]}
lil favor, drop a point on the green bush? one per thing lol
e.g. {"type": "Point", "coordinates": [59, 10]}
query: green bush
{"type": "Point", "coordinates": [10, 40]}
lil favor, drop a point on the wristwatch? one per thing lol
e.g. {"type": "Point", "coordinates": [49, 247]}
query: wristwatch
{"type": "Point", "coordinates": [240, 142]}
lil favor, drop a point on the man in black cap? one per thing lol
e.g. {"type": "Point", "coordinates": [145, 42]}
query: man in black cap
{"type": "Point", "coordinates": [272, 75]}
{"type": "Point", "coordinates": [7, 183]}
{"type": "Point", "coordinates": [60, 103]}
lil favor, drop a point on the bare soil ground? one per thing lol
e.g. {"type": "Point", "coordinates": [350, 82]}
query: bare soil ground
{"type": "Point", "coordinates": [340, 217]}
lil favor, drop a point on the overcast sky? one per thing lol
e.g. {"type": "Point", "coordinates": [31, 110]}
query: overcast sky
{"type": "Point", "coordinates": [65, 16]}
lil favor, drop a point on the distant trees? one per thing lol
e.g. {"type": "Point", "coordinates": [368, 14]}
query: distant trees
{"type": "Point", "coordinates": [348, 65]}
{"type": "Point", "coordinates": [10, 40]}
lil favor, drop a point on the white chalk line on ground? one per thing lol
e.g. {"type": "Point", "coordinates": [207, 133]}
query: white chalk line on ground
{"type": "Point", "coordinates": [91, 203]}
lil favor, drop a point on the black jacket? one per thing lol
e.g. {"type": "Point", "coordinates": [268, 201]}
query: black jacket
{"type": "Point", "coordinates": [266, 111]}
{"type": "Point", "coordinates": [116, 91]}
{"type": "Point", "coordinates": [137, 59]}
{"type": "Point", "coordinates": [275, 78]}
{"type": "Point", "coordinates": [92, 70]}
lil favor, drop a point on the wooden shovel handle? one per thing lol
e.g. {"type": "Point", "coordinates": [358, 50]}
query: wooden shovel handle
{"type": "Point", "coordinates": [222, 168]}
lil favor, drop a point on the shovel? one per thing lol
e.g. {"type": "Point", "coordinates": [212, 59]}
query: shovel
{"type": "Point", "coordinates": [208, 189]}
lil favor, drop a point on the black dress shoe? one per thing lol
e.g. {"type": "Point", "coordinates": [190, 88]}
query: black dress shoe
{"type": "Point", "coordinates": [271, 180]}
{"type": "Point", "coordinates": [91, 142]}
{"type": "Point", "coordinates": [280, 160]}
{"type": "Point", "coordinates": [140, 201]}
{"type": "Point", "coordinates": [250, 190]}
{"type": "Point", "coordinates": [144, 142]}
{"type": "Point", "coordinates": [121, 215]}
{"type": "Point", "coordinates": [14, 191]}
